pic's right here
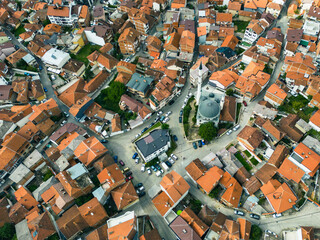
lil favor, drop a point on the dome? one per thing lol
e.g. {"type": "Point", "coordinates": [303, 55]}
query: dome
{"type": "Point", "coordinates": [209, 109]}
{"type": "Point", "coordinates": [211, 95]}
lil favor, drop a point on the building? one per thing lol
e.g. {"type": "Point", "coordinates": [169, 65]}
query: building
{"type": "Point", "coordinates": [156, 143]}
{"type": "Point", "coordinates": [250, 138]}
{"type": "Point", "coordinates": [93, 213]}
{"type": "Point", "coordinates": [55, 58]}
{"type": "Point", "coordinates": [124, 226]}
{"type": "Point", "coordinates": [275, 95]}
{"type": "Point", "coordinates": [124, 196]}
{"type": "Point", "coordinates": [199, 72]}
{"type": "Point", "coordinates": [223, 79]}
{"type": "Point", "coordinates": [111, 177]}
{"type": "Point", "coordinates": [314, 121]}
{"type": "Point", "coordinates": [187, 41]}
{"type": "Point", "coordinates": [129, 41]}
{"type": "Point", "coordinates": [194, 221]}
{"type": "Point", "coordinates": [195, 170]}
{"type": "Point", "coordinates": [139, 84]}
{"type": "Point", "coordinates": [183, 230]}
{"type": "Point", "coordinates": [63, 15]}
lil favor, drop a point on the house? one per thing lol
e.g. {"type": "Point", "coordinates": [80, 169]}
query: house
{"type": "Point", "coordinates": [111, 177]}
{"type": "Point", "coordinates": [272, 131]}
{"type": "Point", "coordinates": [291, 171]}
{"type": "Point", "coordinates": [231, 197]}
{"type": "Point", "coordinates": [223, 79]}
{"type": "Point", "coordinates": [278, 155]}
{"type": "Point", "coordinates": [51, 29]}
{"type": "Point", "coordinates": [250, 138]}
{"type": "Point", "coordinates": [275, 95]}
{"type": "Point", "coordinates": [80, 106]}
{"type": "Point", "coordinates": [41, 227]}
{"type": "Point", "coordinates": [157, 142]}
{"type": "Point", "coordinates": [275, 34]}
{"type": "Point", "coordinates": [126, 67]}
{"type": "Point", "coordinates": [209, 180]}
{"type": "Point", "coordinates": [230, 230]}
{"type": "Point", "coordinates": [98, 13]}
{"type": "Point", "coordinates": [174, 188]}
{"type": "Point", "coordinates": [57, 198]}
{"type": "Point", "coordinates": [139, 84]}
{"type": "Point", "coordinates": [228, 112]}
{"type": "Point", "coordinates": [282, 199]}
{"type": "Point", "coordinates": [306, 159]}
{"type": "Point", "coordinates": [234, 8]}
{"type": "Point", "coordinates": [183, 230]}
{"type": "Point", "coordinates": [75, 180]}
{"type": "Point", "coordinates": [194, 221]}
{"type": "Point", "coordinates": [224, 19]}
{"type": "Point", "coordinates": [252, 185]}
{"type": "Point", "coordinates": [154, 46]}
{"type": "Point", "coordinates": [124, 196]}
{"type": "Point", "coordinates": [100, 233]}
{"type": "Point", "coordinates": [93, 213]}
{"type": "Point", "coordinates": [129, 41]}
{"type": "Point", "coordinates": [71, 223]}
{"type": "Point", "coordinates": [74, 67]}
{"type": "Point", "coordinates": [96, 82]}
{"type": "Point", "coordinates": [274, 9]}
{"type": "Point", "coordinates": [123, 226]}
{"type": "Point", "coordinates": [195, 170]}
{"type": "Point", "coordinates": [55, 58]}
{"type": "Point", "coordinates": [314, 121]}
{"type": "Point", "coordinates": [253, 31]}
{"type": "Point", "coordinates": [25, 198]}
{"type": "Point", "coordinates": [187, 41]}
{"type": "Point", "coordinates": [172, 42]}
{"type": "Point", "coordinates": [315, 101]}
{"type": "Point", "coordinates": [63, 15]}
{"type": "Point", "coordinates": [102, 60]}
{"type": "Point", "coordinates": [98, 34]}
{"type": "Point", "coordinates": [230, 41]}
{"type": "Point", "coordinates": [164, 91]}
{"type": "Point", "coordinates": [255, 5]}
{"type": "Point", "coordinates": [141, 20]}
{"type": "Point", "coordinates": [287, 124]}
{"type": "Point", "coordinates": [90, 150]}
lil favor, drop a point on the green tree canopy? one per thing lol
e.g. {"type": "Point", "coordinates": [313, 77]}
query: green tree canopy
{"type": "Point", "coordinates": [207, 131]}
{"type": "Point", "coordinates": [165, 126]}
{"type": "Point", "coordinates": [229, 92]}
{"type": "Point", "coordinates": [256, 233]}
{"type": "Point", "coordinates": [7, 231]}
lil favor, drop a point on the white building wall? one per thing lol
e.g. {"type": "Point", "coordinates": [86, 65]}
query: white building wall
{"type": "Point", "coordinates": [93, 38]}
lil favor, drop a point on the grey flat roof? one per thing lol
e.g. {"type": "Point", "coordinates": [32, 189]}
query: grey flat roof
{"type": "Point", "coordinates": [140, 82]}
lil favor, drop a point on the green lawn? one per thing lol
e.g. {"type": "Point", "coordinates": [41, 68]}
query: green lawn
{"type": "Point", "coordinates": [246, 152]}
{"type": "Point", "coordinates": [241, 25]}
{"type": "Point", "coordinates": [85, 52]}
{"type": "Point", "coordinates": [297, 105]}
{"type": "Point", "coordinates": [19, 30]}
{"type": "Point", "coordinates": [254, 161]}
{"type": "Point", "coordinates": [243, 161]}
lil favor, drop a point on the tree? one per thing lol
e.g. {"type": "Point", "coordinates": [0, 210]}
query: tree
{"type": "Point", "coordinates": [116, 37]}
{"type": "Point", "coordinates": [165, 126]}
{"type": "Point", "coordinates": [229, 92]}
{"type": "Point", "coordinates": [7, 231]}
{"type": "Point", "coordinates": [207, 131]}
{"type": "Point", "coordinates": [256, 233]}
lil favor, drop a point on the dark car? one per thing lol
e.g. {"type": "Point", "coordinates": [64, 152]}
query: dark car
{"type": "Point", "coordinates": [45, 89]}
{"type": "Point", "coordinates": [200, 143]}
{"type": "Point", "coordinates": [141, 194]}
{"type": "Point", "coordinates": [240, 213]}
{"type": "Point", "coordinates": [175, 138]}
{"type": "Point", "coordinates": [121, 163]}
{"type": "Point", "coordinates": [104, 141]}
{"type": "Point", "coordinates": [129, 178]}
{"type": "Point", "coordinates": [128, 174]}
{"type": "Point", "coordinates": [143, 130]}
{"type": "Point", "coordinates": [255, 216]}
{"type": "Point", "coordinates": [40, 68]}
{"type": "Point", "coordinates": [194, 145]}
{"type": "Point", "coordinates": [171, 102]}
{"type": "Point", "coordinates": [168, 164]}
{"type": "Point", "coordinates": [151, 124]}
{"type": "Point", "coordinates": [115, 158]}
{"type": "Point", "coordinates": [180, 119]}
{"type": "Point", "coordinates": [139, 185]}
{"type": "Point", "coordinates": [135, 155]}
{"type": "Point", "coordinates": [181, 112]}
{"type": "Point", "coordinates": [245, 103]}
{"type": "Point", "coordinates": [157, 119]}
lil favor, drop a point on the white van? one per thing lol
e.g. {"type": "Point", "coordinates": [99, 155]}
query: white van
{"type": "Point", "coordinates": [165, 166]}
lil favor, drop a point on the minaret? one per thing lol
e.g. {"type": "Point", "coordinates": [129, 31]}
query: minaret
{"type": "Point", "coordinates": [199, 84]}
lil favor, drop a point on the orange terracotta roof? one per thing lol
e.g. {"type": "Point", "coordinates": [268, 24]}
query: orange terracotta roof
{"type": "Point", "coordinates": [315, 119]}
{"type": "Point", "coordinates": [210, 179]}
{"type": "Point", "coordinates": [65, 142]}
{"type": "Point", "coordinates": [274, 89]}
{"type": "Point", "coordinates": [194, 221]}
{"type": "Point", "coordinates": [58, 12]}
{"type": "Point", "coordinates": [41, 227]}
{"type": "Point", "coordinates": [124, 230]}
{"type": "Point", "coordinates": [245, 228]}
{"type": "Point", "coordinates": [230, 41]}
{"type": "Point", "coordinates": [89, 150]}
{"type": "Point", "coordinates": [291, 171]}
{"type": "Point", "coordinates": [311, 160]}
{"type": "Point", "coordinates": [270, 186]}
{"type": "Point", "coordinates": [273, 130]}
{"type": "Point", "coordinates": [187, 38]}
{"type": "Point", "coordinates": [93, 212]}
{"type": "Point", "coordinates": [159, 64]}
{"type": "Point", "coordinates": [111, 174]}
{"type": "Point", "coordinates": [233, 193]}
{"type": "Point", "coordinates": [223, 77]}
{"type": "Point", "coordinates": [124, 195]}
{"type": "Point", "coordinates": [282, 199]}
{"type": "Point", "coordinates": [202, 31]}
{"type": "Point", "coordinates": [52, 27]}
{"type": "Point", "coordinates": [196, 169]}
{"type": "Point", "coordinates": [25, 197]}
{"type": "Point", "coordinates": [223, 17]}
{"type": "Point", "coordinates": [163, 203]}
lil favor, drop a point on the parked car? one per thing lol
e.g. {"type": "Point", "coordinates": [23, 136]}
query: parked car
{"type": "Point", "coordinates": [143, 168]}
{"type": "Point", "coordinates": [203, 142]}
{"type": "Point", "coordinates": [141, 194]}
{"type": "Point", "coordinates": [115, 158]}
{"type": "Point", "coordinates": [166, 120]}
{"type": "Point", "coordinates": [135, 155]}
{"type": "Point", "coordinates": [63, 122]}
{"type": "Point", "coordinates": [171, 160]}
{"type": "Point", "coordinates": [162, 118]}
{"type": "Point", "coordinates": [158, 167]}
{"type": "Point", "coordinates": [181, 112]}
{"type": "Point", "coordinates": [40, 67]}
{"type": "Point", "coordinates": [156, 119]}
{"type": "Point", "coordinates": [104, 141]}
{"type": "Point", "coordinates": [149, 171]}
{"type": "Point", "coordinates": [154, 168]}
{"type": "Point", "coordinates": [129, 173]}
{"type": "Point", "coordinates": [245, 103]}
{"type": "Point", "coordinates": [168, 164]}
{"type": "Point", "coordinates": [159, 113]}
{"type": "Point", "coordinates": [236, 127]}
{"type": "Point", "coordinates": [200, 143]}
{"type": "Point", "coordinates": [121, 163]}
{"type": "Point", "coordinates": [180, 119]}
{"type": "Point", "coordinates": [268, 232]}
{"type": "Point", "coordinates": [125, 170]}
{"type": "Point", "coordinates": [171, 102]}
{"type": "Point", "coordinates": [174, 157]}
{"type": "Point", "coordinates": [229, 132]}
{"type": "Point", "coordinates": [175, 138]}
{"type": "Point", "coordinates": [151, 124]}
{"type": "Point", "coordinates": [45, 89]}
{"type": "Point", "coordinates": [240, 213]}
{"type": "Point", "coordinates": [168, 113]}
{"type": "Point", "coordinates": [129, 178]}
{"type": "Point", "coordinates": [255, 216]}
{"type": "Point", "coordinates": [143, 130]}
{"type": "Point", "coordinates": [277, 215]}
{"type": "Point", "coordinates": [66, 114]}
{"type": "Point", "coordinates": [194, 145]}
{"type": "Point", "coordinates": [136, 160]}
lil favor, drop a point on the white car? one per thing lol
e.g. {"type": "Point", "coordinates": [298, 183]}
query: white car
{"type": "Point", "coordinates": [229, 132]}
{"type": "Point", "coordinates": [63, 122]}
{"type": "Point", "coordinates": [168, 114]}
{"type": "Point", "coordinates": [136, 160]}
{"type": "Point", "coordinates": [166, 120]}
{"type": "Point", "coordinates": [174, 157]}
{"type": "Point", "coordinates": [149, 171]}
{"type": "Point", "coordinates": [236, 127]}
{"type": "Point", "coordinates": [159, 113]}
{"type": "Point", "coordinates": [171, 160]}
{"type": "Point", "coordinates": [143, 168]}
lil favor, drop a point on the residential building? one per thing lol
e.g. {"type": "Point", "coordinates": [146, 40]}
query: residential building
{"type": "Point", "coordinates": [194, 221]}
{"type": "Point", "coordinates": [74, 67]}
{"type": "Point", "coordinates": [288, 125]}
{"type": "Point", "coordinates": [129, 41]}
{"type": "Point", "coordinates": [183, 230]}
{"type": "Point", "coordinates": [78, 108]}
{"type": "Point", "coordinates": [275, 95]}
{"type": "Point", "coordinates": [223, 79]}
{"type": "Point", "coordinates": [55, 58]}
{"type": "Point", "coordinates": [231, 197]}
{"type": "Point", "coordinates": [315, 101]}
{"type": "Point", "coordinates": [274, 133]}
{"type": "Point", "coordinates": [140, 84]}
{"type": "Point", "coordinates": [210, 179]}
{"type": "Point", "coordinates": [111, 177]}
{"type": "Point", "coordinates": [124, 196]}
{"type": "Point", "coordinates": [195, 170]}
{"type": "Point", "coordinates": [255, 5]}
{"type": "Point", "coordinates": [229, 110]}
{"type": "Point", "coordinates": [156, 143]}
{"type": "Point", "coordinates": [172, 42]}
{"type": "Point", "coordinates": [274, 9]}
{"type": "Point", "coordinates": [154, 46]}
{"type": "Point", "coordinates": [93, 213]}
{"type": "Point", "coordinates": [253, 31]}
{"type": "Point", "coordinates": [141, 20]}
{"type": "Point", "coordinates": [187, 41]}
{"type": "Point", "coordinates": [250, 138]}
{"type": "Point", "coordinates": [41, 227]}
{"type": "Point", "coordinates": [98, 34]}
{"type": "Point", "coordinates": [124, 226]}
{"type": "Point", "coordinates": [314, 121]}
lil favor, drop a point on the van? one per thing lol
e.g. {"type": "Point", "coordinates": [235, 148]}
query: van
{"type": "Point", "coordinates": [165, 166]}
{"type": "Point", "coordinates": [125, 170]}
